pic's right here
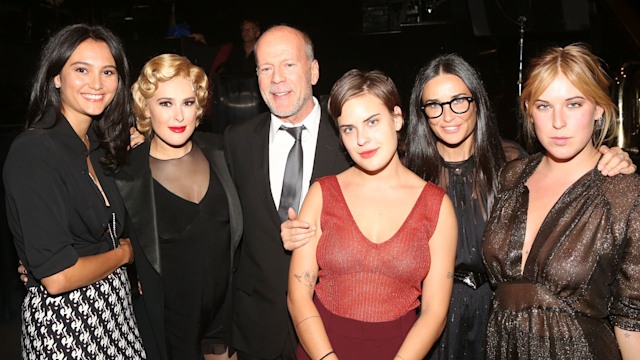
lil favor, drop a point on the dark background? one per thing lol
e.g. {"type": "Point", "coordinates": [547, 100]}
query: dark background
{"type": "Point", "coordinates": [388, 35]}
{"type": "Point", "coordinates": [380, 34]}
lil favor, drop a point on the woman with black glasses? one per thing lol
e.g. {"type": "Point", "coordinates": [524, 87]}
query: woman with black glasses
{"type": "Point", "coordinates": [453, 141]}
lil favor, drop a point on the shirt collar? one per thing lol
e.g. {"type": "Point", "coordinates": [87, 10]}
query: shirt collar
{"type": "Point", "coordinates": [311, 122]}
{"type": "Point", "coordinates": [69, 137]}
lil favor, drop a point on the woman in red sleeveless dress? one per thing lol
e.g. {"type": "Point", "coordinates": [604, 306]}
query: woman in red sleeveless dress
{"type": "Point", "coordinates": [375, 280]}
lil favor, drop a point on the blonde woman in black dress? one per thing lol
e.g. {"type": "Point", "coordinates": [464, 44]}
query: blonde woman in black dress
{"type": "Point", "coordinates": [185, 213]}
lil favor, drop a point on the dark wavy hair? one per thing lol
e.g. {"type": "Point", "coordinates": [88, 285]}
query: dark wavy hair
{"type": "Point", "coordinates": [112, 126]}
{"type": "Point", "coordinates": [422, 155]}
{"type": "Point", "coordinates": [357, 82]}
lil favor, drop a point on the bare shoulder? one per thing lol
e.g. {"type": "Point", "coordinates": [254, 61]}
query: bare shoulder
{"type": "Point", "coordinates": [315, 189]}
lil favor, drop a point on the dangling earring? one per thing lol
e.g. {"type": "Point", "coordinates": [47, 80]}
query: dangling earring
{"type": "Point", "coordinates": [599, 122]}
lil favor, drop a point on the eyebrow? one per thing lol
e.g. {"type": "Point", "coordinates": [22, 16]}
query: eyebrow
{"type": "Point", "coordinates": [451, 98]}
{"type": "Point", "coordinates": [92, 65]}
{"type": "Point", "coordinates": [164, 98]}
{"type": "Point", "coordinates": [363, 121]}
{"type": "Point", "coordinates": [370, 117]}
{"type": "Point", "coordinates": [567, 99]}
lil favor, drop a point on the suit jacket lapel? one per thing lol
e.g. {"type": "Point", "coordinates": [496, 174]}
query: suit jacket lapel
{"type": "Point", "coordinates": [329, 151]}
{"type": "Point", "coordinates": [260, 149]}
{"type": "Point", "coordinates": [136, 186]}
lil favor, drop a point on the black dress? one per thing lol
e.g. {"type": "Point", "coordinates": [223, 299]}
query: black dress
{"type": "Point", "coordinates": [464, 334]}
{"type": "Point", "coordinates": [465, 331]}
{"type": "Point", "coordinates": [194, 249]}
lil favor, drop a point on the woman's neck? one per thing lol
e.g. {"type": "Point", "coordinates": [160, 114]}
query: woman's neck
{"type": "Point", "coordinates": [573, 168]}
{"type": "Point", "coordinates": [389, 172]}
{"type": "Point", "coordinates": [460, 152]}
{"type": "Point", "coordinates": [162, 151]}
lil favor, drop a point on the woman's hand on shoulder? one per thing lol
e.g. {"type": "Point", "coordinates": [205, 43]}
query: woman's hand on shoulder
{"type": "Point", "coordinates": [136, 138]}
{"type": "Point", "coordinates": [615, 161]}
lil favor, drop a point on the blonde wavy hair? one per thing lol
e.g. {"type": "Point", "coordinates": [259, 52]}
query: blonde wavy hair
{"type": "Point", "coordinates": [160, 69]}
{"type": "Point", "coordinates": [583, 69]}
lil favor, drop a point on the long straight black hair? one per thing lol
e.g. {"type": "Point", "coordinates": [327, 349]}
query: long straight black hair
{"type": "Point", "coordinates": [422, 155]}
{"type": "Point", "coordinates": [112, 126]}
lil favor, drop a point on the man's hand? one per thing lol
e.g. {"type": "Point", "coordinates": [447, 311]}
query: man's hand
{"type": "Point", "coordinates": [295, 233]}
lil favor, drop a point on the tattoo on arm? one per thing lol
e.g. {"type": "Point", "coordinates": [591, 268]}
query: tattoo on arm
{"type": "Point", "coordinates": [307, 279]}
{"type": "Point", "coordinates": [627, 335]}
{"type": "Point", "coordinates": [449, 275]}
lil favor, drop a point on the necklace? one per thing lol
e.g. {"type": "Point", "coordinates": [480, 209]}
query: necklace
{"type": "Point", "coordinates": [97, 184]}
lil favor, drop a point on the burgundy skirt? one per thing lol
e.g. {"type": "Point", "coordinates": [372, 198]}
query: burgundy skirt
{"type": "Point", "coordinates": [352, 339]}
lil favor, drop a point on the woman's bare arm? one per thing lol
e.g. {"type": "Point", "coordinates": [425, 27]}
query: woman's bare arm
{"type": "Point", "coordinates": [436, 288]}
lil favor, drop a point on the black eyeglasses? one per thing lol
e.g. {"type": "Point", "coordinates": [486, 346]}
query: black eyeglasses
{"type": "Point", "coordinates": [458, 105]}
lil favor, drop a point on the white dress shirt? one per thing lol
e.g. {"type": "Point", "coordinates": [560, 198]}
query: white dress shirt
{"type": "Point", "coordinates": [280, 143]}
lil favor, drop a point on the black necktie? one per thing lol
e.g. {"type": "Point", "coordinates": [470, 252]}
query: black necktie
{"type": "Point", "coordinates": [292, 181]}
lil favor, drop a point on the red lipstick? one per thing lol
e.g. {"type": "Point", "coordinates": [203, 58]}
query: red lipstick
{"type": "Point", "coordinates": [177, 129]}
{"type": "Point", "coordinates": [368, 154]}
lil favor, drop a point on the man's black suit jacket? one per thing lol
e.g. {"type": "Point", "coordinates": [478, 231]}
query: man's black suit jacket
{"type": "Point", "coordinates": [261, 320]}
{"type": "Point", "coordinates": [136, 186]}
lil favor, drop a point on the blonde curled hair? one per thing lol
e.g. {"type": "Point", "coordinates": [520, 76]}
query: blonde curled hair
{"type": "Point", "coordinates": [584, 71]}
{"type": "Point", "coordinates": [160, 69]}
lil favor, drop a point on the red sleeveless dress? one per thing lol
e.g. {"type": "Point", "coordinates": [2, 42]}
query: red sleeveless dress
{"type": "Point", "coordinates": [368, 293]}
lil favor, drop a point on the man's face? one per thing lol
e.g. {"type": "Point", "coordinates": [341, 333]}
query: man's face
{"type": "Point", "coordinates": [249, 32]}
{"type": "Point", "coordinates": [285, 74]}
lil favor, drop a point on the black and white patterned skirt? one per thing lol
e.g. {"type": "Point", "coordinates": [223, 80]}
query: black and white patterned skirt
{"type": "Point", "coordinates": [93, 322]}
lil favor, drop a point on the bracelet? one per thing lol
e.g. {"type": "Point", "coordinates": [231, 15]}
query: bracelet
{"type": "Point", "coordinates": [327, 354]}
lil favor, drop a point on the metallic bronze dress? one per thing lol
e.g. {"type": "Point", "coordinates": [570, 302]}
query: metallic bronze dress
{"type": "Point", "coordinates": [581, 278]}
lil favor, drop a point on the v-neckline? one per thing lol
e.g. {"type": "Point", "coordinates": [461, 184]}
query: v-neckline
{"type": "Point", "coordinates": [182, 198]}
{"type": "Point", "coordinates": [538, 243]}
{"type": "Point", "coordinates": [355, 224]}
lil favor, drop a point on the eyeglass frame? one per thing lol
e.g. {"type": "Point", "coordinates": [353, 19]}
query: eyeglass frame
{"type": "Point", "coordinates": [469, 99]}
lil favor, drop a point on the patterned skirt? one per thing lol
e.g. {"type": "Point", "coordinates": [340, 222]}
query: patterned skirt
{"type": "Point", "coordinates": [93, 322]}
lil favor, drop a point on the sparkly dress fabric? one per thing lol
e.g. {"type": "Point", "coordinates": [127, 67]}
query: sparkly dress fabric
{"type": "Point", "coordinates": [581, 278]}
{"type": "Point", "coordinates": [194, 249]}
